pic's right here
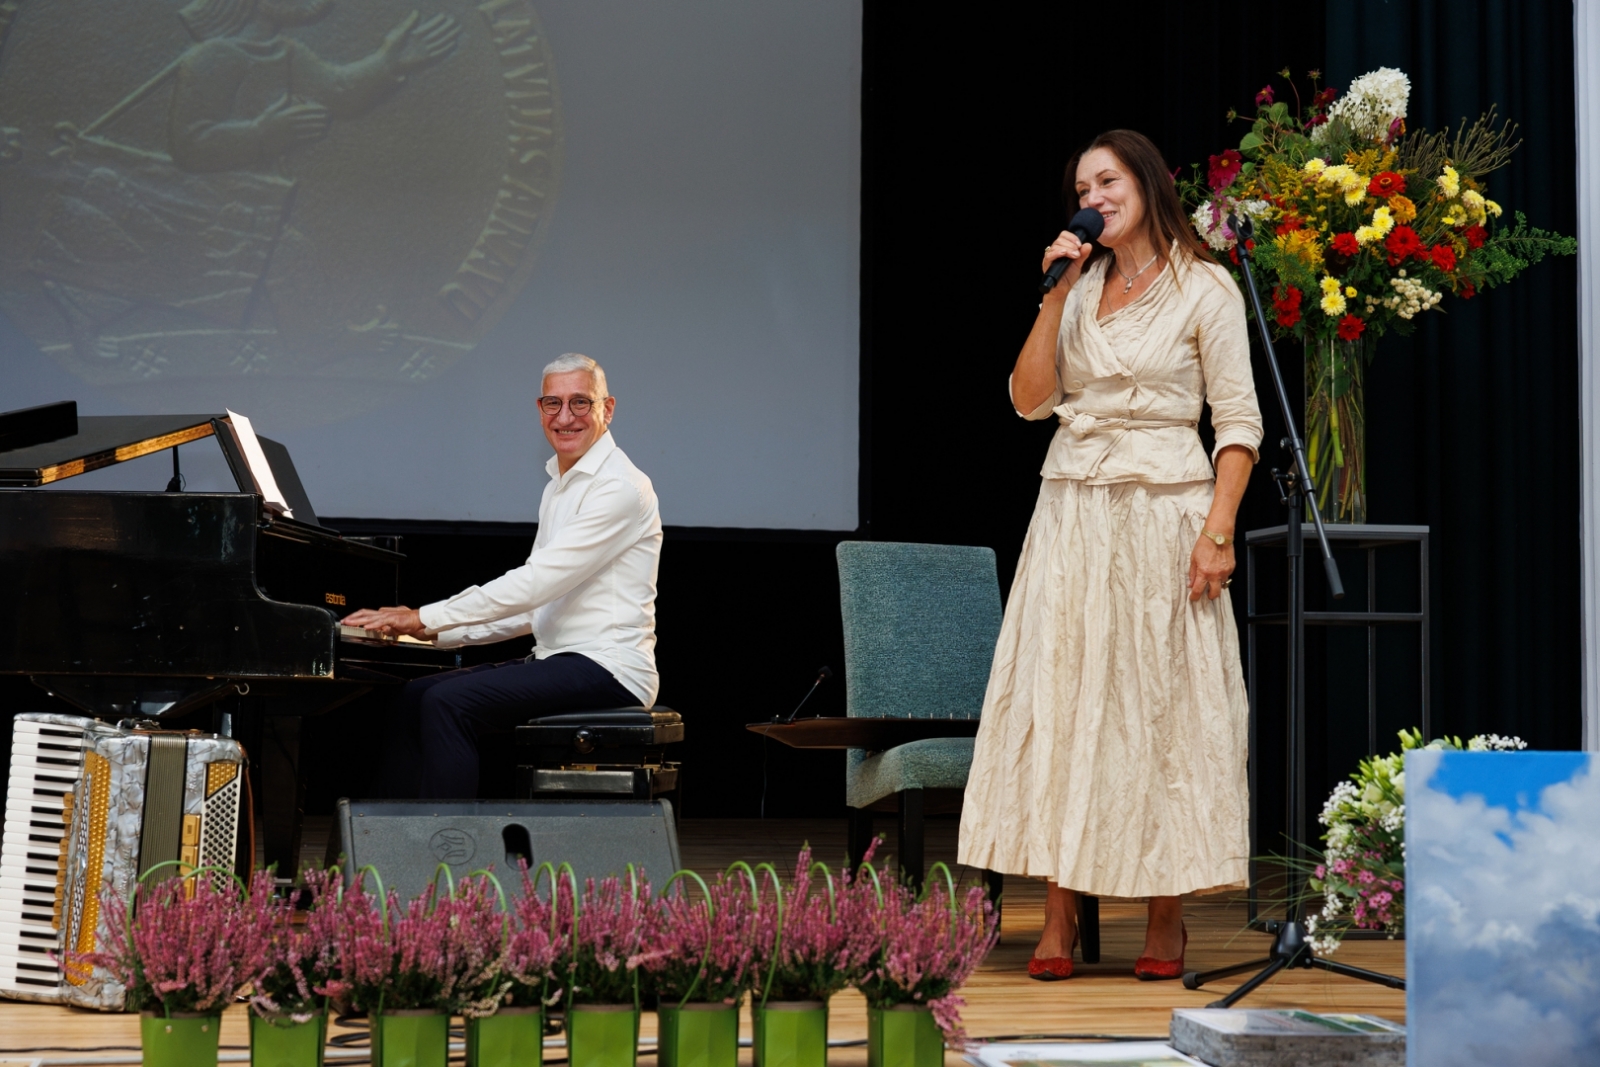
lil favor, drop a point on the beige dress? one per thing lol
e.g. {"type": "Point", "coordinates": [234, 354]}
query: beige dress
{"type": "Point", "coordinates": [1111, 755]}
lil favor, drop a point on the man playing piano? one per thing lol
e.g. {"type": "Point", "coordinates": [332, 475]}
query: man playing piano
{"type": "Point", "coordinates": [587, 593]}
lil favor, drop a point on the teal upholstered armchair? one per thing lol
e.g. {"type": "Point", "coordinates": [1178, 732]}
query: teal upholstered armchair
{"type": "Point", "coordinates": [920, 626]}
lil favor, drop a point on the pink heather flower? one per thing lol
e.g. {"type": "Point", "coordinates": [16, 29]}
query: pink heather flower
{"type": "Point", "coordinates": [179, 953]}
{"type": "Point", "coordinates": [606, 947]}
{"type": "Point", "coordinates": [298, 963]}
{"type": "Point", "coordinates": [825, 940]}
{"type": "Point", "coordinates": [929, 948]}
{"type": "Point", "coordinates": [701, 949]}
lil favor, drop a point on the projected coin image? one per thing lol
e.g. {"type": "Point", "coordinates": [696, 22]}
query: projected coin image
{"type": "Point", "coordinates": [303, 208]}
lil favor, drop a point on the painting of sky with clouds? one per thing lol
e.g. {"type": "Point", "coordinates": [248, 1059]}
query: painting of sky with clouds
{"type": "Point", "coordinates": [1502, 909]}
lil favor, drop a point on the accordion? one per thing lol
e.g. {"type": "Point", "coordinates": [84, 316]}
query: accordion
{"type": "Point", "coordinates": [89, 808]}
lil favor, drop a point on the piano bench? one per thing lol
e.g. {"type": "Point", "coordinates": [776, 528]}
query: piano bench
{"type": "Point", "coordinates": [608, 752]}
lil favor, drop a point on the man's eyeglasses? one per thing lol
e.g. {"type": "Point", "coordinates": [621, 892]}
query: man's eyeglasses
{"type": "Point", "coordinates": [578, 405]}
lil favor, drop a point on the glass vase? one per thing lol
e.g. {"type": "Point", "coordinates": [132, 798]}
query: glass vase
{"type": "Point", "coordinates": [1336, 426]}
{"type": "Point", "coordinates": [511, 1037]}
{"type": "Point", "coordinates": [697, 1035]}
{"type": "Point", "coordinates": [790, 1033]}
{"type": "Point", "coordinates": [410, 1039]}
{"type": "Point", "coordinates": [602, 1035]}
{"type": "Point", "coordinates": [279, 1041]}
{"type": "Point", "coordinates": [179, 1040]}
{"type": "Point", "coordinates": [903, 1036]}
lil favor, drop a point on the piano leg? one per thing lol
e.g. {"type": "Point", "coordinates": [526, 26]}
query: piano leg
{"type": "Point", "coordinates": [283, 792]}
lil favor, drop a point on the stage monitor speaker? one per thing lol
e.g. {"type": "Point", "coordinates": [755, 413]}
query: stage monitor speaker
{"type": "Point", "coordinates": [406, 840]}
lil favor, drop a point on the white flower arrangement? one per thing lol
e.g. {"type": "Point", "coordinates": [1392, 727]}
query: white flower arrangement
{"type": "Point", "coordinates": [1371, 106]}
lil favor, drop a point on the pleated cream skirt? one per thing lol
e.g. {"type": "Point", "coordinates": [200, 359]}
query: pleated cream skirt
{"type": "Point", "coordinates": [1111, 755]}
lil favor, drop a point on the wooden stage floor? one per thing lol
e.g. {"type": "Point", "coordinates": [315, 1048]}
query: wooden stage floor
{"type": "Point", "coordinates": [1001, 999]}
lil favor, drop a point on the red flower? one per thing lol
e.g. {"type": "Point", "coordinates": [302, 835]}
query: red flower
{"type": "Point", "coordinates": [1345, 244]}
{"type": "Point", "coordinates": [1403, 243]}
{"type": "Point", "coordinates": [1224, 169]}
{"type": "Point", "coordinates": [1475, 235]}
{"type": "Point", "coordinates": [1350, 328]}
{"type": "Point", "coordinates": [1386, 184]}
{"type": "Point", "coordinates": [1324, 98]}
{"type": "Point", "coordinates": [1467, 291]}
{"type": "Point", "coordinates": [1264, 97]}
{"type": "Point", "coordinates": [1444, 257]}
{"type": "Point", "coordinates": [1233, 254]}
{"type": "Point", "coordinates": [1286, 302]}
{"type": "Point", "coordinates": [1290, 223]}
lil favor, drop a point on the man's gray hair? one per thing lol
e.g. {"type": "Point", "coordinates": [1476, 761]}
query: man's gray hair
{"type": "Point", "coordinates": [572, 361]}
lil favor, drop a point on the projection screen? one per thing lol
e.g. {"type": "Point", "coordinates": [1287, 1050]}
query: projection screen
{"type": "Point", "coordinates": [368, 228]}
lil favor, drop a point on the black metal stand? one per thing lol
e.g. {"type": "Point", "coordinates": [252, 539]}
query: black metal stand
{"type": "Point", "coordinates": [1290, 947]}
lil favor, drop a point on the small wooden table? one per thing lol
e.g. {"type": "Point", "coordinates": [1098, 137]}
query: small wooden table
{"type": "Point", "coordinates": [874, 734]}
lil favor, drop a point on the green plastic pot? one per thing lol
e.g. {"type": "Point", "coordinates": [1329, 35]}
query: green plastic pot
{"type": "Point", "coordinates": [790, 1033]}
{"type": "Point", "coordinates": [279, 1041]}
{"type": "Point", "coordinates": [511, 1037]}
{"type": "Point", "coordinates": [602, 1035]}
{"type": "Point", "coordinates": [182, 1040]}
{"type": "Point", "coordinates": [903, 1036]}
{"type": "Point", "coordinates": [698, 1035]}
{"type": "Point", "coordinates": [410, 1039]}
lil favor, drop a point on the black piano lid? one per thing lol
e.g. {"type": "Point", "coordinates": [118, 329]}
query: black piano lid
{"type": "Point", "coordinates": [101, 440]}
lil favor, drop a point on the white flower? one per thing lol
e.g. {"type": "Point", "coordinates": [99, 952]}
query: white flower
{"type": "Point", "coordinates": [1370, 106]}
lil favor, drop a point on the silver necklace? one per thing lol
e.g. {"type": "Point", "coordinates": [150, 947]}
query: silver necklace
{"type": "Point", "coordinates": [1135, 274]}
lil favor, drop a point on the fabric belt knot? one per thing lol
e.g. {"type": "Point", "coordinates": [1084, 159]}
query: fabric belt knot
{"type": "Point", "coordinates": [1082, 424]}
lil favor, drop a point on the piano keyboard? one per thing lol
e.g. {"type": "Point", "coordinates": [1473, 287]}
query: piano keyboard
{"type": "Point", "coordinates": [46, 754]}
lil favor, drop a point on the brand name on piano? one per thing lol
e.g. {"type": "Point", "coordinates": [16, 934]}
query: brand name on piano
{"type": "Point", "coordinates": [334, 598]}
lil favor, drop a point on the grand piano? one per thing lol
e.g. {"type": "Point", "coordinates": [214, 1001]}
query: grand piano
{"type": "Point", "coordinates": [157, 605]}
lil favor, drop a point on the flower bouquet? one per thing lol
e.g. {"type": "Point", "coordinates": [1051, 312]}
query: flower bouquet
{"type": "Point", "coordinates": [809, 946]}
{"type": "Point", "coordinates": [179, 947]}
{"type": "Point", "coordinates": [1360, 226]}
{"type": "Point", "coordinates": [1361, 875]}
{"type": "Point", "coordinates": [535, 935]}
{"type": "Point", "coordinates": [927, 947]}
{"type": "Point", "coordinates": [411, 969]}
{"type": "Point", "coordinates": [698, 965]}
{"type": "Point", "coordinates": [599, 968]}
{"type": "Point", "coordinates": [294, 971]}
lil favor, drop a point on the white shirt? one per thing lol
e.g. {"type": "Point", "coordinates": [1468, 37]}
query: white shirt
{"type": "Point", "coordinates": [589, 585]}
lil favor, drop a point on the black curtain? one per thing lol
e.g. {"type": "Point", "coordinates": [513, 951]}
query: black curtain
{"type": "Point", "coordinates": [1473, 422]}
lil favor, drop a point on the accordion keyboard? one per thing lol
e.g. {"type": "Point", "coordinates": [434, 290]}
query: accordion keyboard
{"type": "Point", "coordinates": [46, 757]}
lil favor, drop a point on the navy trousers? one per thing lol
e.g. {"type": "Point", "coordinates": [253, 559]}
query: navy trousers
{"type": "Point", "coordinates": [431, 750]}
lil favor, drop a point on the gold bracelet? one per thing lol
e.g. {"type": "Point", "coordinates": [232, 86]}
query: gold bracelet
{"type": "Point", "coordinates": [1222, 540]}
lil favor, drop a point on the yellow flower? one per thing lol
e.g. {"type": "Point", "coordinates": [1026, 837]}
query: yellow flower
{"type": "Point", "coordinates": [1330, 285]}
{"type": "Point", "coordinates": [1449, 182]}
{"type": "Point", "coordinates": [1315, 166]}
{"type": "Point", "coordinates": [1365, 235]}
{"type": "Point", "coordinates": [1350, 291]}
{"type": "Point", "coordinates": [1404, 210]}
{"type": "Point", "coordinates": [1347, 180]}
{"type": "Point", "coordinates": [1492, 208]}
{"type": "Point", "coordinates": [1333, 305]}
{"type": "Point", "coordinates": [1302, 245]}
{"type": "Point", "coordinates": [1454, 215]}
{"type": "Point", "coordinates": [1382, 221]}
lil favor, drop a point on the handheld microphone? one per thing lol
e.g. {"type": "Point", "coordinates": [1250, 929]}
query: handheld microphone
{"type": "Point", "coordinates": [1086, 225]}
{"type": "Point", "coordinates": [823, 674]}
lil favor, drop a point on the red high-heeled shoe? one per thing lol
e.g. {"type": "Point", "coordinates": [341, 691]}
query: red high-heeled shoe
{"type": "Point", "coordinates": [1150, 969]}
{"type": "Point", "coordinates": [1053, 968]}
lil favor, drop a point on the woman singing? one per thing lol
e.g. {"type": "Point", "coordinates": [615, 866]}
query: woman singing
{"type": "Point", "coordinates": [1111, 755]}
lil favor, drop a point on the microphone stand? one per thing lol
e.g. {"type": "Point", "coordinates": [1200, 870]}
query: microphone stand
{"type": "Point", "coordinates": [1291, 946]}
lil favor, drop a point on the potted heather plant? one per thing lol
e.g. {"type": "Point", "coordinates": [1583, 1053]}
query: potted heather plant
{"type": "Point", "coordinates": [294, 971]}
{"type": "Point", "coordinates": [535, 932]}
{"type": "Point", "coordinates": [809, 945]}
{"type": "Point", "coordinates": [178, 946]}
{"type": "Point", "coordinates": [411, 970]}
{"type": "Point", "coordinates": [698, 965]}
{"type": "Point", "coordinates": [927, 947]}
{"type": "Point", "coordinates": [599, 966]}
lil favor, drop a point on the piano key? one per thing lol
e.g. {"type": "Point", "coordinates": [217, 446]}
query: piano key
{"type": "Point", "coordinates": [49, 762]}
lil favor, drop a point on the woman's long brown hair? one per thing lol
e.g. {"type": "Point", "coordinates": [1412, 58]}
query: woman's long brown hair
{"type": "Point", "coordinates": [1164, 219]}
